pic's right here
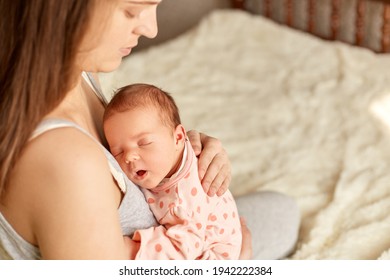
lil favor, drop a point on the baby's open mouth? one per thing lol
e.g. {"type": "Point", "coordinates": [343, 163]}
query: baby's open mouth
{"type": "Point", "coordinates": [141, 172]}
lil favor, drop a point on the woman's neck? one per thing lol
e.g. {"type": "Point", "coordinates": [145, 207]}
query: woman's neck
{"type": "Point", "coordinates": [82, 107]}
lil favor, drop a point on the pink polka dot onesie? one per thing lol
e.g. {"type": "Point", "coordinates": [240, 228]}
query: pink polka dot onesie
{"type": "Point", "coordinates": [193, 225]}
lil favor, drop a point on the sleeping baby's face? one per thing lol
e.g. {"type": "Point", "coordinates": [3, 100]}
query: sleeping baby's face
{"type": "Point", "coordinates": [147, 150]}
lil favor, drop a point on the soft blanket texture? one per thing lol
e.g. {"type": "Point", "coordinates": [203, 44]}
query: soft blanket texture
{"type": "Point", "coordinates": [295, 115]}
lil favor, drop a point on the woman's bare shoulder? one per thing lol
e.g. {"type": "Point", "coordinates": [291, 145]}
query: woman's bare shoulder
{"type": "Point", "coordinates": [64, 151]}
{"type": "Point", "coordinates": [67, 158]}
{"type": "Point", "coordinates": [63, 173]}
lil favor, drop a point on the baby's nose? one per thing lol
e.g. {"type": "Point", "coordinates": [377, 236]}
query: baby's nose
{"type": "Point", "coordinates": [131, 157]}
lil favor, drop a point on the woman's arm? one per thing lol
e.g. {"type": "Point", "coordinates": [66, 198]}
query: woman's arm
{"type": "Point", "coordinates": [213, 164]}
{"type": "Point", "coordinates": [74, 198]}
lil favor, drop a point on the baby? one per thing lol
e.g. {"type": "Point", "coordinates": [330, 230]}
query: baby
{"type": "Point", "coordinates": [144, 132]}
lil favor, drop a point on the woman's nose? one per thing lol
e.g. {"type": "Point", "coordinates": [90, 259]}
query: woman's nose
{"type": "Point", "coordinates": [147, 24]}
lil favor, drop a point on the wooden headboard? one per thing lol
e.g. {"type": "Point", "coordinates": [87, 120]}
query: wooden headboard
{"type": "Point", "coordinates": [364, 23]}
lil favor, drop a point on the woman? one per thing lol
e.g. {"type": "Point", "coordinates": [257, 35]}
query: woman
{"type": "Point", "coordinates": [61, 190]}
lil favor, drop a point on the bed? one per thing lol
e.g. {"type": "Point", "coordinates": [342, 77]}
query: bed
{"type": "Point", "coordinates": [298, 93]}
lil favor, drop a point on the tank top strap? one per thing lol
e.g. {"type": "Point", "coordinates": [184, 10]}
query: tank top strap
{"type": "Point", "coordinates": [50, 124]}
{"type": "Point", "coordinates": [88, 77]}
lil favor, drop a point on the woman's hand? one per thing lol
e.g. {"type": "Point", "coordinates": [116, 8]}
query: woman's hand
{"type": "Point", "coordinates": [246, 246]}
{"type": "Point", "coordinates": [131, 246]}
{"type": "Point", "coordinates": [213, 164]}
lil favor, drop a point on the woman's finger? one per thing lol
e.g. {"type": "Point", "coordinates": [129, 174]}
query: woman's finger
{"type": "Point", "coordinates": [217, 177]}
{"type": "Point", "coordinates": [195, 141]}
{"type": "Point", "coordinates": [225, 185]}
{"type": "Point", "coordinates": [211, 148]}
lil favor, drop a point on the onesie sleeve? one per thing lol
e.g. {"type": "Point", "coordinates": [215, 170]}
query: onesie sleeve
{"type": "Point", "coordinates": [182, 240]}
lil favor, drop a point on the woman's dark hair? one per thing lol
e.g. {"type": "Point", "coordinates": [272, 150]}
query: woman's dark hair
{"type": "Point", "coordinates": [39, 43]}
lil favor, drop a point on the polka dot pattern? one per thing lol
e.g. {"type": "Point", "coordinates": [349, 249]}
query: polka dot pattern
{"type": "Point", "coordinates": [158, 248]}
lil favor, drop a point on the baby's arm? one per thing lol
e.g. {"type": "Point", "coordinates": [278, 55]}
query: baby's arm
{"type": "Point", "coordinates": [179, 242]}
{"type": "Point", "coordinates": [184, 237]}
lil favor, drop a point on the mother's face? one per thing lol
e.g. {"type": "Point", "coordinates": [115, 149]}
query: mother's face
{"type": "Point", "coordinates": [118, 34]}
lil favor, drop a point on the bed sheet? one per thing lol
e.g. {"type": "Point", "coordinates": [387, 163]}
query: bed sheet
{"type": "Point", "coordinates": [295, 114]}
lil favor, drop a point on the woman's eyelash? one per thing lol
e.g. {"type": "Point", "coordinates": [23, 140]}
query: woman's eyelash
{"type": "Point", "coordinates": [129, 14]}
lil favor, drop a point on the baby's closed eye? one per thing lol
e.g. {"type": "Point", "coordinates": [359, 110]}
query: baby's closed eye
{"type": "Point", "coordinates": [116, 153]}
{"type": "Point", "coordinates": [145, 142]}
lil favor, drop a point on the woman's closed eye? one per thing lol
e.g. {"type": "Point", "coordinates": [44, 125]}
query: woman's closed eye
{"type": "Point", "coordinates": [130, 13]}
{"type": "Point", "coordinates": [133, 9]}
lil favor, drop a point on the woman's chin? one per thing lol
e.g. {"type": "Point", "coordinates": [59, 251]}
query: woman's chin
{"type": "Point", "coordinates": [111, 66]}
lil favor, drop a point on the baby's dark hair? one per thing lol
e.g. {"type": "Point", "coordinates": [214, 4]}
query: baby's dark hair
{"type": "Point", "coordinates": [144, 95]}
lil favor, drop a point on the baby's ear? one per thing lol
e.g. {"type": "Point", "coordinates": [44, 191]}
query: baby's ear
{"type": "Point", "coordinates": [180, 134]}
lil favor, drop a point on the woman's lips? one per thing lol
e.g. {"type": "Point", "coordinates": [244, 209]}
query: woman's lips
{"type": "Point", "coordinates": [125, 51]}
